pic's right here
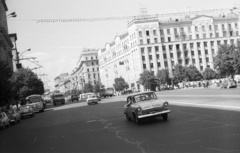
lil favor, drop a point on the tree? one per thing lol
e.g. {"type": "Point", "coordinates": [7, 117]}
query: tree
{"type": "Point", "coordinates": [192, 73]}
{"type": "Point", "coordinates": [163, 77]}
{"type": "Point", "coordinates": [147, 79]}
{"type": "Point", "coordinates": [88, 87]}
{"type": "Point", "coordinates": [5, 75]}
{"type": "Point", "coordinates": [24, 83]}
{"type": "Point", "coordinates": [120, 84]}
{"type": "Point", "coordinates": [97, 87]}
{"type": "Point", "coordinates": [209, 74]}
{"type": "Point", "coordinates": [179, 73]}
{"type": "Point", "coordinates": [227, 60]}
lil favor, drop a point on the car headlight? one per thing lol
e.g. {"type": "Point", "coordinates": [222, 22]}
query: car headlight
{"type": "Point", "coordinates": [139, 110]}
{"type": "Point", "coordinates": [165, 105]}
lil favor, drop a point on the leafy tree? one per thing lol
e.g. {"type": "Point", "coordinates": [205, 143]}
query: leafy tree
{"type": "Point", "coordinates": [120, 84]}
{"type": "Point", "coordinates": [192, 73]}
{"type": "Point", "coordinates": [5, 91]}
{"type": "Point", "coordinates": [227, 61]}
{"type": "Point", "coordinates": [97, 87]}
{"type": "Point", "coordinates": [24, 83]}
{"type": "Point", "coordinates": [163, 77]}
{"type": "Point", "coordinates": [147, 79]}
{"type": "Point", "coordinates": [88, 87]}
{"type": "Point", "coordinates": [179, 73]}
{"type": "Point", "coordinates": [209, 74]}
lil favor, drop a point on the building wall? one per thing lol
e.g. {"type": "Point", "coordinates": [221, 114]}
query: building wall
{"type": "Point", "coordinates": [154, 45]}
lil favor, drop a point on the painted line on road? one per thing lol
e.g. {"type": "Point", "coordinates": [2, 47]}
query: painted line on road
{"type": "Point", "coordinates": [207, 106]}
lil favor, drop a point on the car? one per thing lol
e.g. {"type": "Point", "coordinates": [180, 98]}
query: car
{"type": "Point", "coordinates": [92, 99]}
{"type": "Point", "coordinates": [4, 120]}
{"type": "Point", "coordinates": [14, 116]}
{"type": "Point", "coordinates": [74, 97]}
{"type": "Point", "coordinates": [37, 102]}
{"type": "Point", "coordinates": [145, 105]}
{"type": "Point", "coordinates": [26, 110]}
{"type": "Point", "coordinates": [58, 98]}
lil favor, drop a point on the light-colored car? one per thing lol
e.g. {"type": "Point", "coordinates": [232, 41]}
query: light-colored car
{"type": "Point", "coordinates": [37, 102]}
{"type": "Point", "coordinates": [92, 99]}
{"type": "Point", "coordinates": [4, 120]}
{"type": "Point", "coordinates": [26, 110]}
{"type": "Point", "coordinates": [14, 116]}
{"type": "Point", "coordinates": [144, 105]}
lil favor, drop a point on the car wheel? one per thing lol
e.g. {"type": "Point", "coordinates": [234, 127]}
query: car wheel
{"type": "Point", "coordinates": [128, 117]}
{"type": "Point", "coordinates": [165, 116]}
{"type": "Point", "coordinates": [137, 120]}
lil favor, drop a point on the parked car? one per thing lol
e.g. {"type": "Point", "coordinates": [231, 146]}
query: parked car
{"type": "Point", "coordinates": [74, 97]}
{"type": "Point", "coordinates": [14, 116]}
{"type": "Point", "coordinates": [144, 105]}
{"type": "Point", "coordinates": [26, 110]}
{"type": "Point", "coordinates": [92, 99]}
{"type": "Point", "coordinates": [37, 102]}
{"type": "Point", "coordinates": [4, 120]}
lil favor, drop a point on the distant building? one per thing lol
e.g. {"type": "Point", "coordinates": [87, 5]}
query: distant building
{"type": "Point", "coordinates": [60, 82]}
{"type": "Point", "coordinates": [87, 70]}
{"type": "Point", "coordinates": [5, 42]}
{"type": "Point", "coordinates": [153, 43]}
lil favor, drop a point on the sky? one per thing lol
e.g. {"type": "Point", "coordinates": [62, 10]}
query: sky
{"type": "Point", "coordinates": [57, 46]}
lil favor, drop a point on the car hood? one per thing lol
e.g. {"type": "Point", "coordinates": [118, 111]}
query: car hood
{"type": "Point", "coordinates": [149, 104]}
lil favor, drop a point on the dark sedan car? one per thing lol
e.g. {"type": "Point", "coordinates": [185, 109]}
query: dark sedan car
{"type": "Point", "coordinates": [144, 105]}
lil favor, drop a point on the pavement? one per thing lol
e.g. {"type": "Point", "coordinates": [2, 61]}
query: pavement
{"type": "Point", "coordinates": [227, 99]}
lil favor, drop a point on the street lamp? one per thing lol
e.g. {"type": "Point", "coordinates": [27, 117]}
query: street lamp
{"type": "Point", "coordinates": [25, 51]}
{"type": "Point", "coordinates": [13, 15]}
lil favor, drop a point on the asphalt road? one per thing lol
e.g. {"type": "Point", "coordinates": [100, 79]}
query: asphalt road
{"type": "Point", "coordinates": [103, 128]}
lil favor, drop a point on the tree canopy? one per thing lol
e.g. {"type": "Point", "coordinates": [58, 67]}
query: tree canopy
{"type": "Point", "coordinates": [147, 79]}
{"type": "Point", "coordinates": [97, 87]}
{"type": "Point", "coordinates": [209, 74]}
{"type": "Point", "coordinates": [227, 60]}
{"type": "Point", "coordinates": [24, 83]}
{"type": "Point", "coordinates": [5, 75]}
{"type": "Point", "coordinates": [192, 73]}
{"type": "Point", "coordinates": [163, 77]}
{"type": "Point", "coordinates": [88, 87]}
{"type": "Point", "coordinates": [179, 73]}
{"type": "Point", "coordinates": [120, 84]}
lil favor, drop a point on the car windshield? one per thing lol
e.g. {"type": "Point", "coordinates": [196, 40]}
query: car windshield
{"type": "Point", "coordinates": [144, 97]}
{"type": "Point", "coordinates": [33, 99]}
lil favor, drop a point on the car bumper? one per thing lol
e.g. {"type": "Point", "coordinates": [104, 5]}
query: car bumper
{"type": "Point", "coordinates": [154, 114]}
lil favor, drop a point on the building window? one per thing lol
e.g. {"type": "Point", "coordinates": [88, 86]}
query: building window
{"type": "Point", "coordinates": [198, 44]}
{"type": "Point", "coordinates": [92, 69]}
{"type": "Point", "coordinates": [151, 65]}
{"type": "Point", "coordinates": [166, 64]}
{"type": "Point", "coordinates": [217, 34]}
{"type": "Point", "coordinates": [207, 59]}
{"type": "Point", "coordinates": [148, 41]}
{"type": "Point", "coordinates": [156, 48]}
{"type": "Point", "coordinates": [192, 52]}
{"type": "Point", "coordinates": [196, 28]}
{"type": "Point", "coordinates": [150, 57]}
{"type": "Point", "coordinates": [149, 49]}
{"type": "Point", "coordinates": [144, 66]}
{"type": "Point", "coordinates": [142, 50]}
{"type": "Point", "coordinates": [197, 36]}
{"type": "Point", "coordinates": [141, 41]}
{"type": "Point", "coordinates": [194, 62]}
{"type": "Point", "coordinates": [143, 58]}
{"type": "Point", "coordinates": [210, 27]}
{"type": "Point", "coordinates": [190, 37]}
{"type": "Point", "coordinates": [161, 32]}
{"type": "Point", "coordinates": [170, 47]}
{"type": "Point", "coordinates": [189, 30]}
{"type": "Point", "coordinates": [171, 55]}
{"type": "Point", "coordinates": [140, 33]}
{"type": "Point", "coordinates": [147, 33]}
{"type": "Point", "coordinates": [87, 70]}
{"type": "Point", "coordinates": [204, 35]}
{"type": "Point", "coordinates": [177, 47]}
{"type": "Point", "coordinates": [164, 56]}
{"type": "Point", "coordinates": [158, 56]}
{"type": "Point", "coordinates": [236, 26]}
{"type": "Point", "coordinates": [158, 64]}
{"type": "Point", "coordinates": [162, 39]}
{"type": "Point", "coordinates": [155, 40]}
{"type": "Point", "coordinates": [201, 67]}
{"type": "Point", "coordinates": [199, 52]}
{"type": "Point", "coordinates": [205, 44]}
{"type": "Point", "coordinates": [203, 28]}
{"type": "Point", "coordinates": [86, 58]}
{"type": "Point", "coordinates": [91, 58]}
{"type": "Point", "coordinates": [164, 48]}
{"type": "Point", "coordinates": [200, 60]}
{"type": "Point", "coordinates": [154, 32]}
{"type": "Point", "coordinates": [206, 52]}
{"type": "Point", "coordinates": [168, 31]}
{"type": "Point", "coordinates": [211, 35]}
{"type": "Point", "coordinates": [169, 39]}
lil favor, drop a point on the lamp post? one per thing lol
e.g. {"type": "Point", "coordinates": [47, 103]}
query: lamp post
{"type": "Point", "coordinates": [25, 51]}
{"type": "Point", "coordinates": [13, 15]}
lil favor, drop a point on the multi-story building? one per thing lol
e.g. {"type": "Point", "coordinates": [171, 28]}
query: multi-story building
{"type": "Point", "coordinates": [152, 44]}
{"type": "Point", "coordinates": [5, 42]}
{"type": "Point", "coordinates": [60, 82]}
{"type": "Point", "coordinates": [87, 70]}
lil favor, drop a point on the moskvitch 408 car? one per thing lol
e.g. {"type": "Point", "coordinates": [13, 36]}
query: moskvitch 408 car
{"type": "Point", "coordinates": [144, 105]}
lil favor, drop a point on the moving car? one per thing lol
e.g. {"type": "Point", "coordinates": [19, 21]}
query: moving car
{"type": "Point", "coordinates": [92, 99]}
{"type": "Point", "coordinates": [26, 110]}
{"type": "Point", "coordinates": [14, 116]}
{"type": "Point", "coordinates": [4, 120]}
{"type": "Point", "coordinates": [74, 97]}
{"type": "Point", "coordinates": [58, 98]}
{"type": "Point", "coordinates": [144, 105]}
{"type": "Point", "coordinates": [37, 102]}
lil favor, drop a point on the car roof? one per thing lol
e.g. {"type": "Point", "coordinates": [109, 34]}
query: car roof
{"type": "Point", "coordinates": [139, 93]}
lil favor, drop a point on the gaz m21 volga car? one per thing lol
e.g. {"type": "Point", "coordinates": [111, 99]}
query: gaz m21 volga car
{"type": "Point", "coordinates": [144, 105]}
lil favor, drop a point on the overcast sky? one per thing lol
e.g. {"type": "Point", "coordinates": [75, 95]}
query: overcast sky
{"type": "Point", "coordinates": [57, 46]}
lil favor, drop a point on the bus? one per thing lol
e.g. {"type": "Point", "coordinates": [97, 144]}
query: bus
{"type": "Point", "coordinates": [36, 102]}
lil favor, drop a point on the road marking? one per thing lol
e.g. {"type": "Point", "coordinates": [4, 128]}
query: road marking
{"type": "Point", "coordinates": [35, 139]}
{"type": "Point", "coordinates": [207, 105]}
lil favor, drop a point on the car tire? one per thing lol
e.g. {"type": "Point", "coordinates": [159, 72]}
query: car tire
{"type": "Point", "coordinates": [136, 119]}
{"type": "Point", "coordinates": [128, 117]}
{"type": "Point", "coordinates": [165, 116]}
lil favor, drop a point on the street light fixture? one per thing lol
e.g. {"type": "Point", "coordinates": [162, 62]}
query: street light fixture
{"type": "Point", "coordinates": [25, 51]}
{"type": "Point", "coordinates": [13, 15]}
